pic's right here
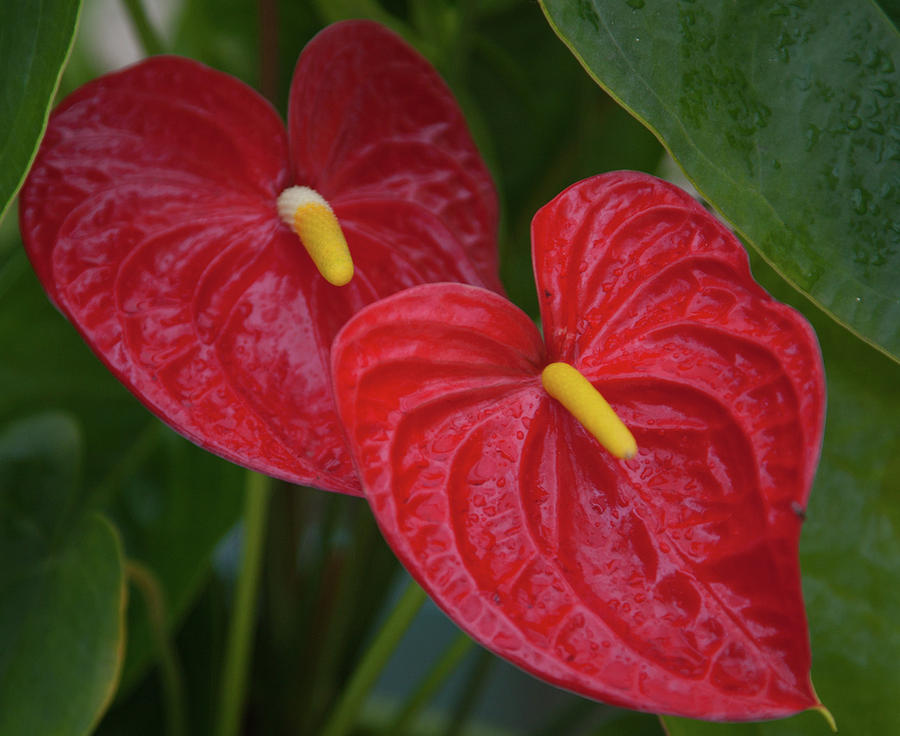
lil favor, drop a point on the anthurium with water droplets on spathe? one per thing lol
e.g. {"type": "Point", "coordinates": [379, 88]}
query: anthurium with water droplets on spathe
{"type": "Point", "coordinates": [163, 212]}
{"type": "Point", "coordinates": [614, 506]}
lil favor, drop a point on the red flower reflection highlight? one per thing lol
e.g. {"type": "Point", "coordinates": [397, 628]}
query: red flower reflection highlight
{"type": "Point", "coordinates": [667, 582]}
{"type": "Point", "coordinates": [151, 218]}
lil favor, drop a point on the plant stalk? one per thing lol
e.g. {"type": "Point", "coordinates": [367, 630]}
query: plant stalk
{"type": "Point", "coordinates": [440, 671]}
{"type": "Point", "coordinates": [346, 712]}
{"type": "Point", "coordinates": [232, 695]}
{"type": "Point", "coordinates": [472, 690]}
{"type": "Point", "coordinates": [170, 672]}
{"type": "Point", "coordinates": [151, 41]}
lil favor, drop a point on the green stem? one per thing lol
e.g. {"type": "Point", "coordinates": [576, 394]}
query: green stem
{"type": "Point", "coordinates": [170, 672]}
{"type": "Point", "coordinates": [444, 667]}
{"type": "Point", "coordinates": [314, 582]}
{"type": "Point", "coordinates": [149, 38]}
{"type": "Point", "coordinates": [468, 698]}
{"type": "Point", "coordinates": [356, 588]}
{"type": "Point", "coordinates": [347, 709]}
{"type": "Point", "coordinates": [243, 618]}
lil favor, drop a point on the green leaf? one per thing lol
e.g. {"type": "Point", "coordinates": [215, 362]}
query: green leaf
{"type": "Point", "coordinates": [850, 547]}
{"type": "Point", "coordinates": [171, 500]}
{"type": "Point", "coordinates": [35, 39]}
{"type": "Point", "coordinates": [785, 117]}
{"type": "Point", "coordinates": [62, 590]}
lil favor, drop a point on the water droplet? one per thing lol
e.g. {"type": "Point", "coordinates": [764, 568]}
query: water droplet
{"type": "Point", "coordinates": [482, 471]}
{"type": "Point", "coordinates": [859, 199]}
{"type": "Point", "coordinates": [812, 136]}
{"type": "Point", "coordinates": [854, 123]}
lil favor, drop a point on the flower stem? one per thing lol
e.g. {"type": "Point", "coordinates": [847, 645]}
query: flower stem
{"type": "Point", "coordinates": [243, 617]}
{"type": "Point", "coordinates": [149, 38]}
{"type": "Point", "coordinates": [439, 672]}
{"type": "Point", "coordinates": [173, 692]}
{"type": "Point", "coordinates": [468, 698]}
{"type": "Point", "coordinates": [347, 709]}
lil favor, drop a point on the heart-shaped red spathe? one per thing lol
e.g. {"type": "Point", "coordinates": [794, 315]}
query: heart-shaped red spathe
{"type": "Point", "coordinates": [666, 583]}
{"type": "Point", "coordinates": [150, 217]}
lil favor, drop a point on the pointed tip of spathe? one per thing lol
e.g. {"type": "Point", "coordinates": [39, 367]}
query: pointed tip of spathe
{"type": "Point", "coordinates": [826, 714]}
{"type": "Point", "coordinates": [823, 711]}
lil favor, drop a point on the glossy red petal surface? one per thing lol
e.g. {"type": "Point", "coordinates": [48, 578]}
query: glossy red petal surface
{"type": "Point", "coordinates": [636, 278]}
{"type": "Point", "coordinates": [150, 217]}
{"type": "Point", "coordinates": [667, 583]}
{"type": "Point", "coordinates": [168, 120]}
{"type": "Point", "coordinates": [369, 118]}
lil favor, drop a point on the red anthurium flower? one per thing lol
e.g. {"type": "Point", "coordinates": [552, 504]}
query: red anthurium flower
{"type": "Point", "coordinates": [642, 552]}
{"type": "Point", "coordinates": [152, 218]}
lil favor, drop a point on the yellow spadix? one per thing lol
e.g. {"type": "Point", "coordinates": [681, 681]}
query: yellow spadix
{"type": "Point", "coordinates": [565, 384]}
{"type": "Point", "coordinates": [311, 217]}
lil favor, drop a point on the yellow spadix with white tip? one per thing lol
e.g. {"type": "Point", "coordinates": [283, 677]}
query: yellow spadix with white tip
{"type": "Point", "coordinates": [571, 389]}
{"type": "Point", "coordinates": [307, 213]}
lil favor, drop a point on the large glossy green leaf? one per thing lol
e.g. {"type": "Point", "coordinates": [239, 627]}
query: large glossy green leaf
{"type": "Point", "coordinates": [62, 588]}
{"type": "Point", "coordinates": [850, 548]}
{"type": "Point", "coordinates": [35, 38]}
{"type": "Point", "coordinates": [785, 116]}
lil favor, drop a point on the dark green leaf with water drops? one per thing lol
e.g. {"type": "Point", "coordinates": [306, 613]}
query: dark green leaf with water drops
{"type": "Point", "coordinates": [850, 546]}
{"type": "Point", "coordinates": [35, 38]}
{"type": "Point", "coordinates": [786, 117]}
{"type": "Point", "coordinates": [62, 589]}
